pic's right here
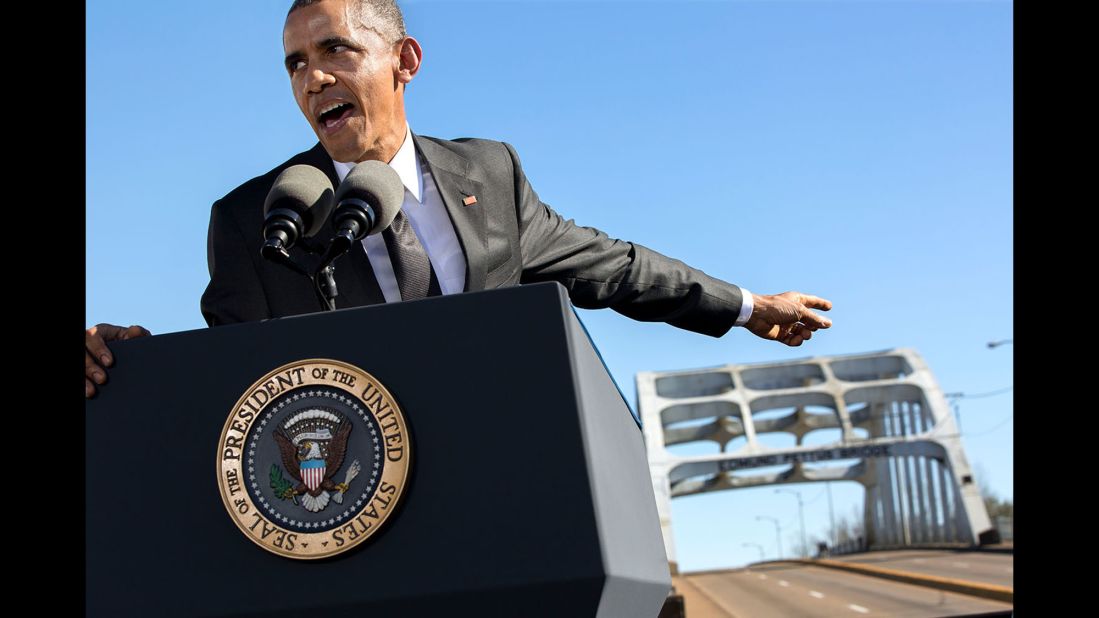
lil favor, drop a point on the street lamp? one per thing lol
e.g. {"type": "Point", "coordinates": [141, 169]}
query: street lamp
{"type": "Point", "coordinates": [801, 515]}
{"type": "Point", "coordinates": [758, 546]}
{"type": "Point", "coordinates": [778, 533]}
{"type": "Point", "coordinates": [993, 344]}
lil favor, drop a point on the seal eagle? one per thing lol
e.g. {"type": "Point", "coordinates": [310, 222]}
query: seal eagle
{"type": "Point", "coordinates": [312, 445]}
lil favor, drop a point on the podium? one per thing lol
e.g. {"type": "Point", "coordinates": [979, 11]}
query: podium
{"type": "Point", "coordinates": [528, 492]}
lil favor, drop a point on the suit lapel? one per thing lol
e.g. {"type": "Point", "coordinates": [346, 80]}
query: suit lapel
{"type": "Point", "coordinates": [452, 176]}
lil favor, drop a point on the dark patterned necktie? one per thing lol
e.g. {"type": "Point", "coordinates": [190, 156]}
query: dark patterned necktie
{"type": "Point", "coordinates": [415, 276]}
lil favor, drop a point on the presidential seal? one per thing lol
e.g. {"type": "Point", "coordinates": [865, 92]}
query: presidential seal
{"type": "Point", "coordinates": [313, 459]}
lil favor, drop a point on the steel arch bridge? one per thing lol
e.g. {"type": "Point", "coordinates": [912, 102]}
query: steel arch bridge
{"type": "Point", "coordinates": [919, 487]}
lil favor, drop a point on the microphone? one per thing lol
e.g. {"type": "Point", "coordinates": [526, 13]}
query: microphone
{"type": "Point", "coordinates": [367, 201]}
{"type": "Point", "coordinates": [296, 207]}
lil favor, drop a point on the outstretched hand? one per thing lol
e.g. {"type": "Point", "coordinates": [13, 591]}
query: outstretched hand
{"type": "Point", "coordinates": [96, 354]}
{"type": "Point", "coordinates": [787, 317]}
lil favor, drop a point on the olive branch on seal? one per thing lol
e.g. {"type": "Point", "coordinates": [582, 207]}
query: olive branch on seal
{"type": "Point", "coordinates": [283, 488]}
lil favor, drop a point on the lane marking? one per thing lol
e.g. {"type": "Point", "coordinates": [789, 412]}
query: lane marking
{"type": "Point", "coordinates": [763, 577]}
{"type": "Point", "coordinates": [960, 564]}
{"type": "Point", "coordinates": [860, 609]}
{"type": "Point", "coordinates": [920, 560]}
{"type": "Point", "coordinates": [815, 594]}
{"type": "Point", "coordinates": [784, 583]}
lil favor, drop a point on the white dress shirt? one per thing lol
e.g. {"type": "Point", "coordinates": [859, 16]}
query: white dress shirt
{"type": "Point", "coordinates": [426, 212]}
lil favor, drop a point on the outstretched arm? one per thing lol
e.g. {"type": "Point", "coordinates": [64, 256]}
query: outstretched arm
{"type": "Point", "coordinates": [600, 271]}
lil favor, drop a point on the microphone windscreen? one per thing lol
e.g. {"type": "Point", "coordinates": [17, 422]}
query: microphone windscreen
{"type": "Point", "coordinates": [376, 184]}
{"type": "Point", "coordinates": [307, 191]}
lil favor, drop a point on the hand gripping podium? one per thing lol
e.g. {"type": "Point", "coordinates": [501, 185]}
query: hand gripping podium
{"type": "Point", "coordinates": [527, 490]}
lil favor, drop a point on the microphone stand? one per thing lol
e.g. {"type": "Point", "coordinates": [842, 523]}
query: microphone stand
{"type": "Point", "coordinates": [348, 226]}
{"type": "Point", "coordinates": [323, 280]}
{"type": "Point", "coordinates": [325, 275]}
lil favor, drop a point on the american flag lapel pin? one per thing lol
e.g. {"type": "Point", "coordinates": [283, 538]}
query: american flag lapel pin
{"type": "Point", "coordinates": [469, 200]}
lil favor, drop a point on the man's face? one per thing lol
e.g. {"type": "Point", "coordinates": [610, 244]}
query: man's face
{"type": "Point", "coordinates": [344, 79]}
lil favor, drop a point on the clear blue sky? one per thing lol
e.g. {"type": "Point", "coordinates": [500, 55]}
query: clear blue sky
{"type": "Point", "coordinates": [861, 151]}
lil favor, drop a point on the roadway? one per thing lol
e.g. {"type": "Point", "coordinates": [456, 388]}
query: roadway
{"type": "Point", "coordinates": [793, 589]}
{"type": "Point", "coordinates": [974, 566]}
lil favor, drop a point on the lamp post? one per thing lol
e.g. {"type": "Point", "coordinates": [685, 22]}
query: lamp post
{"type": "Point", "coordinates": [993, 344]}
{"type": "Point", "coordinates": [758, 546]}
{"type": "Point", "coordinates": [778, 533]}
{"type": "Point", "coordinates": [801, 515]}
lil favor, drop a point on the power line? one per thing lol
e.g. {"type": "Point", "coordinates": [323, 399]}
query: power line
{"type": "Point", "coordinates": [979, 395]}
{"type": "Point", "coordinates": [817, 498]}
{"type": "Point", "coordinates": [997, 426]}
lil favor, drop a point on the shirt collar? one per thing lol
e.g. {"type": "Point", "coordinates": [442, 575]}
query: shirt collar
{"type": "Point", "coordinates": [405, 162]}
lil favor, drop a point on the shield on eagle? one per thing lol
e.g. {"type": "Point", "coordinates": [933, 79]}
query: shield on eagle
{"type": "Point", "coordinates": [312, 450]}
{"type": "Point", "coordinates": [312, 473]}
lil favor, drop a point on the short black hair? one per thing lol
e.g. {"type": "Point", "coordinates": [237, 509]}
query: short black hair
{"type": "Point", "coordinates": [382, 16]}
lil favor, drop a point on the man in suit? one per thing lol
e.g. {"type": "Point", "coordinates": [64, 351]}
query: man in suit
{"type": "Point", "coordinates": [470, 219]}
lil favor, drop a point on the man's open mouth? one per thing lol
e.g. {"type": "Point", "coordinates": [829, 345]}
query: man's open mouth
{"type": "Point", "coordinates": [332, 114]}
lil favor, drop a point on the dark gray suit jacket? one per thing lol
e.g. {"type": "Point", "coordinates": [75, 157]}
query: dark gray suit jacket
{"type": "Point", "coordinates": [509, 237]}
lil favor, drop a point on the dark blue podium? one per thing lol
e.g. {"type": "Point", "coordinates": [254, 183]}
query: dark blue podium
{"type": "Point", "coordinates": [528, 494]}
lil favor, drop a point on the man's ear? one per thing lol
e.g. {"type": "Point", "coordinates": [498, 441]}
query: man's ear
{"type": "Point", "coordinates": [409, 58]}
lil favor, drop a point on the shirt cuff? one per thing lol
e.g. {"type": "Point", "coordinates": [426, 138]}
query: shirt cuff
{"type": "Point", "coordinates": [745, 307]}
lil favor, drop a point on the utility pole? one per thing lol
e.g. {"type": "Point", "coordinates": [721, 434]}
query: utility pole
{"type": "Point", "coordinates": [953, 398]}
{"type": "Point", "coordinates": [831, 513]}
